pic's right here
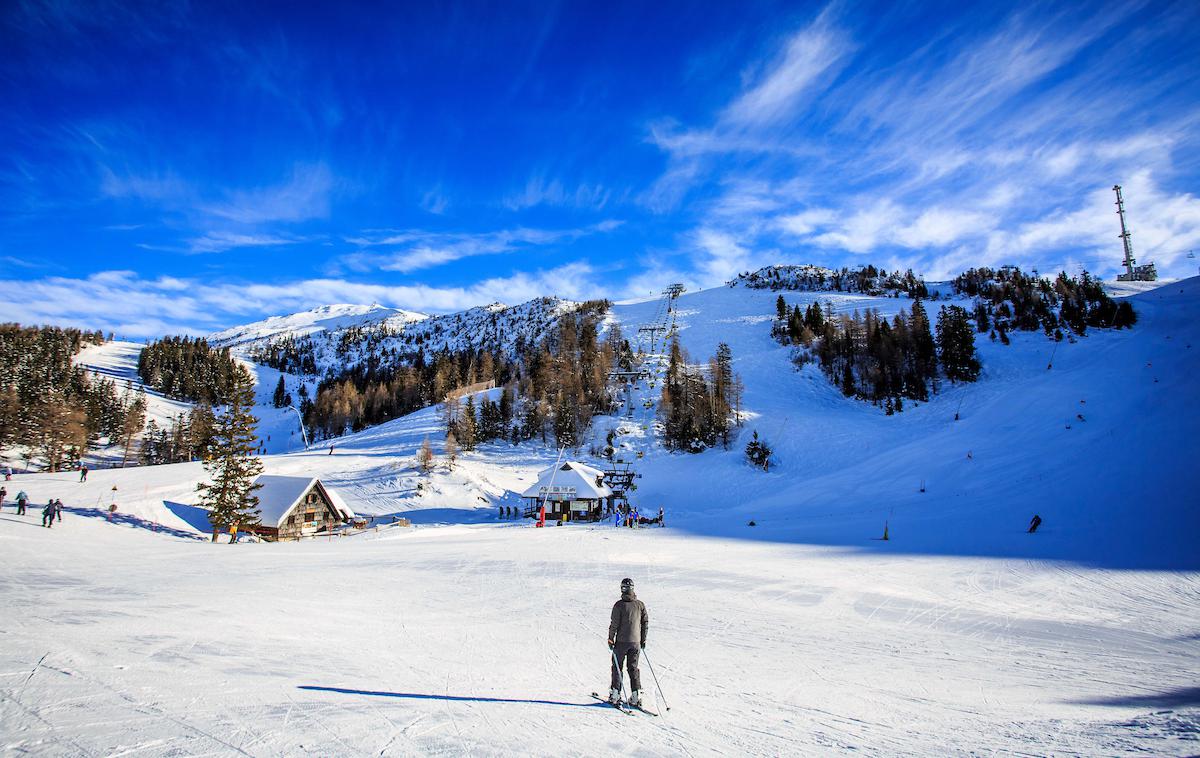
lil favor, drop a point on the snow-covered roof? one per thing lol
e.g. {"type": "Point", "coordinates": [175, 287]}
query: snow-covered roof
{"type": "Point", "coordinates": [280, 494]}
{"type": "Point", "coordinates": [338, 502]}
{"type": "Point", "coordinates": [569, 480]}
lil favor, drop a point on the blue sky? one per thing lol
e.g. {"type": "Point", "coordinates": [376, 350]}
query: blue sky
{"type": "Point", "coordinates": [174, 167]}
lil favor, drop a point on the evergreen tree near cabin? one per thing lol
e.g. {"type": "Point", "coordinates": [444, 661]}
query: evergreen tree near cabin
{"type": "Point", "coordinates": [233, 466]}
{"type": "Point", "coordinates": [956, 343]}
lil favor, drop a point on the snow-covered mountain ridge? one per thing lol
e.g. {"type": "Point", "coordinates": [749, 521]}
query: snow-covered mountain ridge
{"type": "Point", "coordinates": [338, 337]}
{"type": "Point", "coordinates": [325, 318]}
{"type": "Point", "coordinates": [810, 278]}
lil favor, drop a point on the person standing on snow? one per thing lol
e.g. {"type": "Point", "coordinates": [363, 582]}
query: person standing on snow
{"type": "Point", "coordinates": [58, 509]}
{"type": "Point", "coordinates": [83, 474]}
{"type": "Point", "coordinates": [3, 494]}
{"type": "Point", "coordinates": [22, 499]}
{"type": "Point", "coordinates": [626, 638]}
{"type": "Point", "coordinates": [48, 515]}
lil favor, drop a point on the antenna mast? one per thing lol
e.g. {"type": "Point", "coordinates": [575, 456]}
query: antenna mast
{"type": "Point", "coordinates": [1129, 260]}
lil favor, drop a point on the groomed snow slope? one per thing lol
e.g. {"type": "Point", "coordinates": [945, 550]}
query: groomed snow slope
{"type": "Point", "coordinates": [801, 635]}
{"type": "Point", "coordinates": [1102, 445]}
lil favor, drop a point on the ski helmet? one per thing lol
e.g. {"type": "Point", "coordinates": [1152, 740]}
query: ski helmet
{"type": "Point", "coordinates": [626, 585]}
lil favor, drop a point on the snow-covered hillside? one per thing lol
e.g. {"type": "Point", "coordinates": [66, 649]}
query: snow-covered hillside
{"type": "Point", "coordinates": [803, 634]}
{"type": "Point", "coordinates": [118, 360]}
{"type": "Point", "coordinates": [321, 341]}
{"type": "Point", "coordinates": [326, 318]}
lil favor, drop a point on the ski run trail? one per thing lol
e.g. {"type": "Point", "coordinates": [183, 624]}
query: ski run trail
{"type": "Point", "coordinates": [802, 635]}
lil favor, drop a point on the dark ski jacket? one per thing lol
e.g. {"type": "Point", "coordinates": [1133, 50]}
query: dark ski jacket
{"type": "Point", "coordinates": [629, 621]}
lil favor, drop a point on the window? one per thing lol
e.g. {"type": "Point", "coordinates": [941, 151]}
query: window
{"type": "Point", "coordinates": [292, 519]}
{"type": "Point", "coordinates": [312, 497]}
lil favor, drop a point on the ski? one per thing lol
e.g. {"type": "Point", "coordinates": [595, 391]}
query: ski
{"type": "Point", "coordinates": [623, 706]}
{"type": "Point", "coordinates": [619, 706]}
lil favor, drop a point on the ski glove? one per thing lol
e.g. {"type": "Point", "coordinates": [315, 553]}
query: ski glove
{"type": "Point", "coordinates": [610, 644]}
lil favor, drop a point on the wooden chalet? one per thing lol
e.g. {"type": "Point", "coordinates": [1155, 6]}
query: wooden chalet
{"type": "Point", "coordinates": [569, 488]}
{"type": "Point", "coordinates": [293, 507]}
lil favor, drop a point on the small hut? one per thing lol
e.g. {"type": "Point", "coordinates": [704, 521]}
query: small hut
{"type": "Point", "coordinates": [570, 488]}
{"type": "Point", "coordinates": [291, 507]}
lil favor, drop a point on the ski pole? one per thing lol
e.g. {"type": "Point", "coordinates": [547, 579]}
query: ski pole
{"type": "Point", "coordinates": [656, 684]}
{"type": "Point", "coordinates": [613, 653]}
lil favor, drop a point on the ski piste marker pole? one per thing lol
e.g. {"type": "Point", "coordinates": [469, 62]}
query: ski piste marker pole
{"type": "Point", "coordinates": [656, 684]}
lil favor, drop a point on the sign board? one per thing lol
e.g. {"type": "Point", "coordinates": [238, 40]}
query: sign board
{"type": "Point", "coordinates": [557, 492]}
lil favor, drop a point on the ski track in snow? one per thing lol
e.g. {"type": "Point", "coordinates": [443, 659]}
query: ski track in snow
{"type": "Point", "coordinates": [463, 634]}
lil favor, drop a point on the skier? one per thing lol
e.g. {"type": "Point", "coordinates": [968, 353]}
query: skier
{"type": "Point", "coordinates": [626, 638]}
{"type": "Point", "coordinates": [661, 520]}
{"type": "Point", "coordinates": [22, 499]}
{"type": "Point", "coordinates": [233, 530]}
{"type": "Point", "coordinates": [83, 474]}
{"type": "Point", "coordinates": [48, 515]}
{"type": "Point", "coordinates": [1035, 523]}
{"type": "Point", "coordinates": [3, 494]}
{"type": "Point", "coordinates": [58, 509]}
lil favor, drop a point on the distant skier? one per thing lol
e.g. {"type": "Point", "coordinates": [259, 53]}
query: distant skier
{"type": "Point", "coordinates": [626, 638]}
{"type": "Point", "coordinates": [83, 474]}
{"type": "Point", "coordinates": [3, 494]}
{"type": "Point", "coordinates": [1035, 523]}
{"type": "Point", "coordinates": [661, 519]}
{"type": "Point", "coordinates": [48, 515]}
{"type": "Point", "coordinates": [22, 499]}
{"type": "Point", "coordinates": [58, 509]}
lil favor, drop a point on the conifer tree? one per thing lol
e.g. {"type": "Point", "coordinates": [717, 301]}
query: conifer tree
{"type": "Point", "coordinates": [280, 398]}
{"type": "Point", "coordinates": [758, 452]}
{"type": "Point", "coordinates": [956, 342]}
{"type": "Point", "coordinates": [467, 429]}
{"type": "Point", "coordinates": [233, 466]}
{"type": "Point", "coordinates": [425, 457]}
{"type": "Point", "coordinates": [451, 447]}
{"type": "Point", "coordinates": [135, 417]}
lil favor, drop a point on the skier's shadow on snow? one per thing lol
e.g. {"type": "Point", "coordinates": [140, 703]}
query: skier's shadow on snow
{"type": "Point", "coordinates": [451, 698]}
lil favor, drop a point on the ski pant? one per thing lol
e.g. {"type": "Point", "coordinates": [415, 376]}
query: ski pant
{"type": "Point", "coordinates": [47, 520]}
{"type": "Point", "coordinates": [20, 507]}
{"type": "Point", "coordinates": [627, 655]}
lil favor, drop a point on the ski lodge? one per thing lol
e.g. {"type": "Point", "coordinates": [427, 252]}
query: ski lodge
{"type": "Point", "coordinates": [293, 507]}
{"type": "Point", "coordinates": [570, 489]}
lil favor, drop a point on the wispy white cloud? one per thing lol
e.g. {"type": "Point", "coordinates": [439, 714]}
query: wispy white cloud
{"type": "Point", "coordinates": [537, 191]}
{"type": "Point", "coordinates": [218, 242]}
{"type": "Point", "coordinates": [809, 56]}
{"type": "Point", "coordinates": [304, 195]}
{"type": "Point", "coordinates": [414, 249]}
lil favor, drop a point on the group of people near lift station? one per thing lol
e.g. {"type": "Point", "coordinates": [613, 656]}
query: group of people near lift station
{"type": "Point", "coordinates": [633, 518]}
{"type": "Point", "coordinates": [630, 516]}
